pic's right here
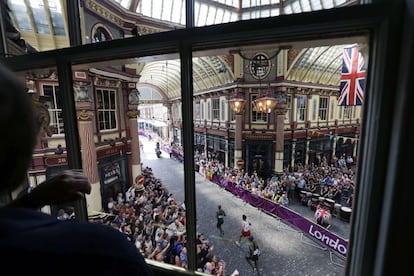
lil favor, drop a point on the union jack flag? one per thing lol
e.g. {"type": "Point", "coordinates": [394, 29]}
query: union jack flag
{"type": "Point", "coordinates": [352, 78]}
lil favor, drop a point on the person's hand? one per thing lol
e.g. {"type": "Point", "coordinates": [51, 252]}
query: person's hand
{"type": "Point", "coordinates": [62, 188]}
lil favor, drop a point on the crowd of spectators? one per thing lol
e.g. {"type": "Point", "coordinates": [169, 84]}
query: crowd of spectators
{"type": "Point", "coordinates": [155, 222]}
{"type": "Point", "coordinates": [334, 181]}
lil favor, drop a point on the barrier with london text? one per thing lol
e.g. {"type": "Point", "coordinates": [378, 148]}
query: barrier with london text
{"type": "Point", "coordinates": [312, 230]}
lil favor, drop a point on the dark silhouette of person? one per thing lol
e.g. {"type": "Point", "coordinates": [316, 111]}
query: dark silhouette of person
{"type": "Point", "coordinates": [253, 255]}
{"type": "Point", "coordinates": [46, 245]}
{"type": "Point", "coordinates": [220, 214]}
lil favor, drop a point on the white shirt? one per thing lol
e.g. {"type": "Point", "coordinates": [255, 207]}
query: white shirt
{"type": "Point", "coordinates": [246, 226]}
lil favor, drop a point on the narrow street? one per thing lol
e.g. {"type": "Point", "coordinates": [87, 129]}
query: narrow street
{"type": "Point", "coordinates": [285, 251]}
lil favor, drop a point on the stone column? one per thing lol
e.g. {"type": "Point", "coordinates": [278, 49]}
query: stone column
{"type": "Point", "coordinates": [292, 161]}
{"type": "Point", "coordinates": [238, 144]}
{"type": "Point", "coordinates": [226, 156]}
{"type": "Point", "coordinates": [356, 144]}
{"type": "Point", "coordinates": [334, 146]}
{"type": "Point", "coordinates": [132, 115]}
{"type": "Point", "coordinates": [280, 112]}
{"type": "Point", "coordinates": [88, 152]}
{"type": "Point", "coordinates": [85, 115]}
{"type": "Point", "coordinates": [308, 139]}
{"type": "Point", "coordinates": [170, 124]}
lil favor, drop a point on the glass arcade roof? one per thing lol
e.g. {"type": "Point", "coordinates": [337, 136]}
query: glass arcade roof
{"type": "Point", "coordinates": [44, 24]}
{"type": "Point", "coordinates": [209, 12]}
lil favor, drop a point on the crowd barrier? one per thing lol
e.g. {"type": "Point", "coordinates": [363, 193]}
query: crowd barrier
{"type": "Point", "coordinates": [178, 156]}
{"type": "Point", "coordinates": [312, 230]}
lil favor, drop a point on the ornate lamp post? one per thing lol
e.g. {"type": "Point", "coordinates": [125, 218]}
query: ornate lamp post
{"type": "Point", "coordinates": [237, 104]}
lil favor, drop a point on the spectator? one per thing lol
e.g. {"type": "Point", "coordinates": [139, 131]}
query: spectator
{"type": "Point", "coordinates": [42, 241]}
{"type": "Point", "coordinates": [284, 200]}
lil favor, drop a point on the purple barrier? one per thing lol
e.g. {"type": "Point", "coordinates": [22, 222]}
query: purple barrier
{"type": "Point", "coordinates": [165, 148]}
{"type": "Point", "coordinates": [177, 155]}
{"type": "Point", "coordinates": [310, 229]}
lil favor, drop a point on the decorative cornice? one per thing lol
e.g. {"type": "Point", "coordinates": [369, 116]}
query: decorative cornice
{"type": "Point", "coordinates": [258, 136]}
{"type": "Point", "coordinates": [143, 29]}
{"type": "Point", "coordinates": [106, 82]}
{"type": "Point", "coordinates": [42, 74]}
{"type": "Point", "coordinates": [104, 12]}
{"type": "Point", "coordinates": [85, 115]}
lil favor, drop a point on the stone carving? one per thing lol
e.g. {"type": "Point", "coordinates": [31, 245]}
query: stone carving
{"type": "Point", "coordinates": [82, 92]}
{"type": "Point", "coordinates": [133, 97]}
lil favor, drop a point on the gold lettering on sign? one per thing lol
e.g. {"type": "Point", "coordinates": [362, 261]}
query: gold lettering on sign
{"type": "Point", "coordinates": [62, 160]}
{"type": "Point", "coordinates": [111, 151]}
{"type": "Point", "coordinates": [56, 161]}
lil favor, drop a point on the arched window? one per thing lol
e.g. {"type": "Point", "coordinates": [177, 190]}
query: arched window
{"type": "Point", "coordinates": [100, 34]}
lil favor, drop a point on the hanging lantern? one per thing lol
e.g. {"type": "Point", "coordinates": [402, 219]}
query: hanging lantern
{"type": "Point", "coordinates": [265, 104]}
{"type": "Point", "coordinates": [237, 104]}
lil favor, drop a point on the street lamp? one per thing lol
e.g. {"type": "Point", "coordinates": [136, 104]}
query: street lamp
{"type": "Point", "coordinates": [266, 103]}
{"type": "Point", "coordinates": [236, 103]}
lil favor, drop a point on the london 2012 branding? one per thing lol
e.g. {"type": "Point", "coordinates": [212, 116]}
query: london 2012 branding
{"type": "Point", "coordinates": [336, 244]}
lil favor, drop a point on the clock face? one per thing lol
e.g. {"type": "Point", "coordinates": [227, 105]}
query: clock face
{"type": "Point", "coordinates": [260, 66]}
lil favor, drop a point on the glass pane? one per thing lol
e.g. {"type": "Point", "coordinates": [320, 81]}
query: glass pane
{"type": "Point", "coordinates": [297, 171]}
{"type": "Point", "coordinates": [115, 19]}
{"type": "Point", "coordinates": [39, 15]}
{"type": "Point", "coordinates": [50, 153]}
{"type": "Point", "coordinates": [252, 156]}
{"type": "Point", "coordinates": [139, 149]}
{"type": "Point", "coordinates": [20, 15]}
{"type": "Point", "coordinates": [35, 26]}
{"type": "Point", "coordinates": [234, 161]}
{"type": "Point", "coordinates": [57, 18]}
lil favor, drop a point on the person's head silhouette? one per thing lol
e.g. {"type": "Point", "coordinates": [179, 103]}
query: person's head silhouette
{"type": "Point", "coordinates": [19, 127]}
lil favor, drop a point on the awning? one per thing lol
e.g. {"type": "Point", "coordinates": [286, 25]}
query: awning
{"type": "Point", "coordinates": [158, 123]}
{"type": "Point", "coordinates": [154, 123]}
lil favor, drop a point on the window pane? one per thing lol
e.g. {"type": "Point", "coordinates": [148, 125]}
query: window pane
{"type": "Point", "coordinates": [151, 16]}
{"type": "Point", "coordinates": [310, 140]}
{"type": "Point", "coordinates": [268, 142]}
{"type": "Point", "coordinates": [107, 112]}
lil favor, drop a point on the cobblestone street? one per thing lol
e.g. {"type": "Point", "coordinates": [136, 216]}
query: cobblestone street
{"type": "Point", "coordinates": [285, 251]}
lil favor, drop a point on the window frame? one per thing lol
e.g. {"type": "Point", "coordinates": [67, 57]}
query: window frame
{"type": "Point", "coordinates": [197, 109]}
{"type": "Point", "coordinates": [54, 113]}
{"type": "Point", "coordinates": [323, 110]}
{"type": "Point", "coordinates": [347, 115]}
{"type": "Point", "coordinates": [385, 114]}
{"type": "Point", "coordinates": [288, 114]}
{"type": "Point", "coordinates": [112, 111]}
{"type": "Point", "coordinates": [255, 116]}
{"type": "Point", "coordinates": [301, 111]}
{"type": "Point", "coordinates": [215, 109]}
